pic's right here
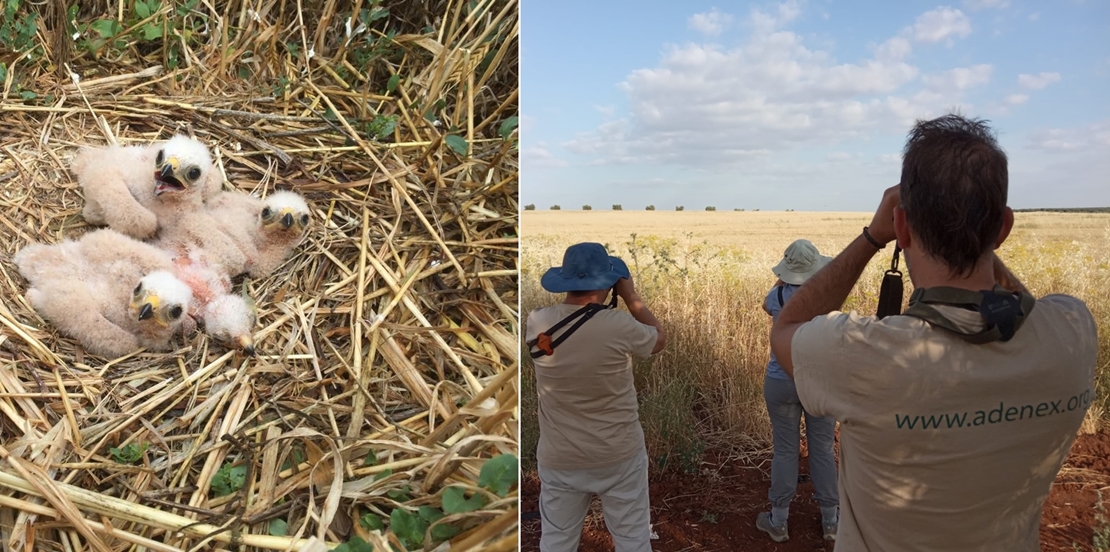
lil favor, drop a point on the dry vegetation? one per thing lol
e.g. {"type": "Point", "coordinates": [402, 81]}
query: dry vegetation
{"type": "Point", "coordinates": [386, 379]}
{"type": "Point", "coordinates": [706, 274]}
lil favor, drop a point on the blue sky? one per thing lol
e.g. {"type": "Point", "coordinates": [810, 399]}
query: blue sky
{"type": "Point", "coordinates": [803, 104]}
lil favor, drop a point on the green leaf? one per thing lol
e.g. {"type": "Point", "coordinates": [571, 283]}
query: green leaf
{"type": "Point", "coordinates": [278, 527]}
{"type": "Point", "coordinates": [106, 28]}
{"type": "Point", "coordinates": [455, 501]}
{"type": "Point", "coordinates": [384, 474]}
{"type": "Point", "coordinates": [409, 528]}
{"type": "Point", "coordinates": [393, 82]}
{"type": "Point", "coordinates": [378, 13]}
{"type": "Point", "coordinates": [3, 73]}
{"type": "Point", "coordinates": [507, 127]}
{"type": "Point", "coordinates": [133, 452]}
{"type": "Point", "coordinates": [457, 143]}
{"type": "Point", "coordinates": [400, 495]}
{"type": "Point", "coordinates": [229, 479]}
{"type": "Point", "coordinates": [142, 10]}
{"type": "Point", "coordinates": [356, 544]}
{"type": "Point", "coordinates": [371, 459]}
{"type": "Point", "coordinates": [152, 31]}
{"type": "Point", "coordinates": [371, 522]}
{"type": "Point", "coordinates": [444, 531]}
{"type": "Point", "coordinates": [429, 514]}
{"type": "Point", "coordinates": [499, 473]}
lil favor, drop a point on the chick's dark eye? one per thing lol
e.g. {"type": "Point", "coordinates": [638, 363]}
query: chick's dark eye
{"type": "Point", "coordinates": [138, 289]}
{"type": "Point", "coordinates": [304, 219]}
{"type": "Point", "coordinates": [161, 157]}
{"type": "Point", "coordinates": [194, 173]}
{"type": "Point", "coordinates": [175, 312]}
{"type": "Point", "coordinates": [266, 212]}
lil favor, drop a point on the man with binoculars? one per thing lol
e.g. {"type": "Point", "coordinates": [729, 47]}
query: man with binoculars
{"type": "Point", "coordinates": [591, 441]}
{"type": "Point", "coordinates": [957, 414]}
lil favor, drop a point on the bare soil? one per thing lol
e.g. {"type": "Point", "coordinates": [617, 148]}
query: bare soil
{"type": "Point", "coordinates": [716, 508]}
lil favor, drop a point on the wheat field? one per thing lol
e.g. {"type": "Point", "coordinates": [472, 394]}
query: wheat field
{"type": "Point", "coordinates": [705, 275]}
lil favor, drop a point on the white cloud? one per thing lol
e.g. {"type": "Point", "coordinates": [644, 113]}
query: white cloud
{"type": "Point", "coordinates": [975, 5]}
{"type": "Point", "coordinates": [941, 24]}
{"type": "Point", "coordinates": [1094, 138]}
{"type": "Point", "coordinates": [960, 78]}
{"type": "Point", "coordinates": [607, 111]}
{"type": "Point", "coordinates": [765, 23]}
{"type": "Point", "coordinates": [709, 106]}
{"type": "Point", "coordinates": [1037, 82]}
{"type": "Point", "coordinates": [890, 158]}
{"type": "Point", "coordinates": [710, 23]}
{"type": "Point", "coordinates": [894, 49]}
{"type": "Point", "coordinates": [1034, 16]}
{"type": "Point", "coordinates": [840, 156]}
{"type": "Point", "coordinates": [538, 156]}
{"type": "Point", "coordinates": [1015, 99]}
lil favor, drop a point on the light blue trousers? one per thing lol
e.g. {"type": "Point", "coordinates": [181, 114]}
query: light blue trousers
{"type": "Point", "coordinates": [786, 412]}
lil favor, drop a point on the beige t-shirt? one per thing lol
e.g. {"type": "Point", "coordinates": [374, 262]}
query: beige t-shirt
{"type": "Point", "coordinates": [588, 413]}
{"type": "Point", "coordinates": [947, 445]}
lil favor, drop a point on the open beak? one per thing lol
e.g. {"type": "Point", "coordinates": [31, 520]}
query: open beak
{"type": "Point", "coordinates": [166, 178]}
{"type": "Point", "coordinates": [246, 344]}
{"type": "Point", "coordinates": [146, 312]}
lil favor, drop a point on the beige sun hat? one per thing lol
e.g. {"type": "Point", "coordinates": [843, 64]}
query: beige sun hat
{"type": "Point", "coordinates": [800, 261]}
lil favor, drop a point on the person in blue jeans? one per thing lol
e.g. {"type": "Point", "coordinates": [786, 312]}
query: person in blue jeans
{"type": "Point", "coordinates": [800, 261]}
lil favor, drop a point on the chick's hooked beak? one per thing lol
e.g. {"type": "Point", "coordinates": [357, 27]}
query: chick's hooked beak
{"type": "Point", "coordinates": [147, 304]}
{"type": "Point", "coordinates": [167, 178]}
{"type": "Point", "coordinates": [246, 343]}
{"type": "Point", "coordinates": [287, 218]}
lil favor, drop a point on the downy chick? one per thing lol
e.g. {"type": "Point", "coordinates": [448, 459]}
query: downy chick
{"type": "Point", "coordinates": [137, 189]}
{"type": "Point", "coordinates": [110, 292]}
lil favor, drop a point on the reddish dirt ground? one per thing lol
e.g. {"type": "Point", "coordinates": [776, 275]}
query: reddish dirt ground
{"type": "Point", "coordinates": [716, 509]}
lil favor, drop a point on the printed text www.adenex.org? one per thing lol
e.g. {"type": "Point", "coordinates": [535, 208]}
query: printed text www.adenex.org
{"type": "Point", "coordinates": [997, 415]}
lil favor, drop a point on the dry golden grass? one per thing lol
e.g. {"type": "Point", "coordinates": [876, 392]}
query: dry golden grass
{"type": "Point", "coordinates": [387, 343]}
{"type": "Point", "coordinates": [705, 274]}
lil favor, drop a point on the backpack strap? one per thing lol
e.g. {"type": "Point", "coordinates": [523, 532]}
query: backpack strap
{"type": "Point", "coordinates": [544, 341]}
{"type": "Point", "coordinates": [781, 302]}
{"type": "Point", "coordinates": [1003, 311]}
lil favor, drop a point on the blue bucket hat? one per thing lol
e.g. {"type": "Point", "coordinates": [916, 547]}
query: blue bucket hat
{"type": "Point", "coordinates": [586, 267]}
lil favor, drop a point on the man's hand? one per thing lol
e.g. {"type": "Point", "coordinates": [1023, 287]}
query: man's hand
{"type": "Point", "coordinates": [625, 289]}
{"type": "Point", "coordinates": [882, 224]}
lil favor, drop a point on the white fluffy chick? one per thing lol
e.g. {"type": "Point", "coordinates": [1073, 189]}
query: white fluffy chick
{"type": "Point", "coordinates": [227, 318]}
{"type": "Point", "coordinates": [112, 293]}
{"type": "Point", "coordinates": [136, 189]}
{"type": "Point", "coordinates": [265, 230]}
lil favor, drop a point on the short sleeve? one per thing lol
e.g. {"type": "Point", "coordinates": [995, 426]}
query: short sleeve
{"type": "Point", "coordinates": [823, 365]}
{"type": "Point", "coordinates": [771, 302]}
{"type": "Point", "coordinates": [642, 338]}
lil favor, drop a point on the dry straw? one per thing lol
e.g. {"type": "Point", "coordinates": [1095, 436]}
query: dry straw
{"type": "Point", "coordinates": [391, 333]}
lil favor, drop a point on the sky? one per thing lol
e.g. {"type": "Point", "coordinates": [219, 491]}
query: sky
{"type": "Point", "coordinates": [803, 105]}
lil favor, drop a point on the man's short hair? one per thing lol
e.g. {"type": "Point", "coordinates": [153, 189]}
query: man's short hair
{"type": "Point", "coordinates": [954, 184]}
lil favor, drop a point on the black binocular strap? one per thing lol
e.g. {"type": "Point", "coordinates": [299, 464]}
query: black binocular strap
{"type": "Point", "coordinates": [547, 345]}
{"type": "Point", "coordinates": [999, 328]}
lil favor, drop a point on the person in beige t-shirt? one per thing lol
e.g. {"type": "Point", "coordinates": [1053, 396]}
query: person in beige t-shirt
{"type": "Point", "coordinates": [591, 441]}
{"type": "Point", "coordinates": [956, 415]}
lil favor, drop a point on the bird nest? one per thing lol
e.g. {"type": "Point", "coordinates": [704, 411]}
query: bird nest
{"type": "Point", "coordinates": [381, 407]}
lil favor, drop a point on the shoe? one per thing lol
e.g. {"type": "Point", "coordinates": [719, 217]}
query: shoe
{"type": "Point", "coordinates": [777, 532]}
{"type": "Point", "coordinates": [828, 528]}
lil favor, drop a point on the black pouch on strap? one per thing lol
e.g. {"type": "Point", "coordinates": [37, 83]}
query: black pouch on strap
{"type": "Point", "coordinates": [1002, 311]}
{"type": "Point", "coordinates": [890, 292]}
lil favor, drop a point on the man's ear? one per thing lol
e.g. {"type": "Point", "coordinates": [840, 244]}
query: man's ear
{"type": "Point", "coordinates": [902, 228]}
{"type": "Point", "coordinates": [1007, 225]}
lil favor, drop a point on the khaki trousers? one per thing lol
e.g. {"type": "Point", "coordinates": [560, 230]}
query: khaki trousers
{"type": "Point", "coordinates": [623, 488]}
